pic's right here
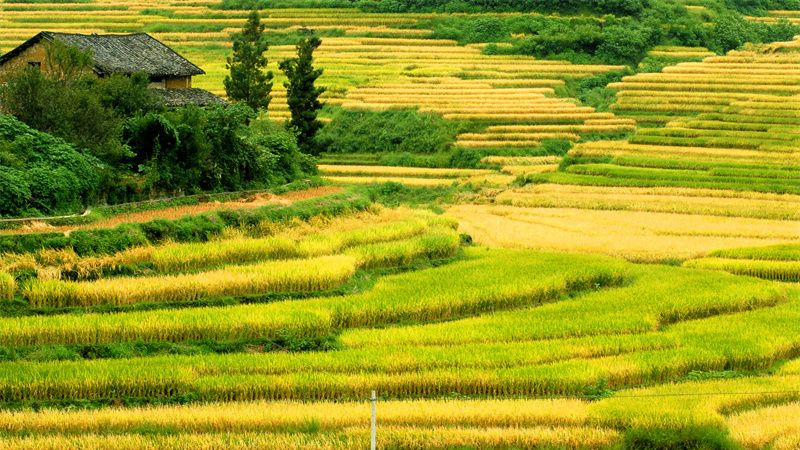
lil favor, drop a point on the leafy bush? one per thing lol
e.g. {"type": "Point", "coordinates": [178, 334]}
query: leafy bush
{"type": "Point", "coordinates": [41, 174]}
{"type": "Point", "coordinates": [387, 131]}
{"type": "Point", "coordinates": [469, 29]}
{"type": "Point", "coordinates": [593, 90]}
{"type": "Point", "coordinates": [465, 158]}
{"type": "Point", "coordinates": [248, 5]}
{"type": "Point", "coordinates": [14, 192]}
{"type": "Point", "coordinates": [555, 147]}
{"type": "Point", "coordinates": [193, 150]}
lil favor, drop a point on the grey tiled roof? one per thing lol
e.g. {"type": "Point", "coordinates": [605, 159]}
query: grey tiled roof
{"type": "Point", "coordinates": [174, 98]}
{"type": "Point", "coordinates": [120, 53]}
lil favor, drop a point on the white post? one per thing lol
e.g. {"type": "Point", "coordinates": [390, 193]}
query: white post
{"type": "Point", "coordinates": [373, 434]}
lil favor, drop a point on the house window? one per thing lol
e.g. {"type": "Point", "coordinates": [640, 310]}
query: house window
{"type": "Point", "coordinates": [35, 64]}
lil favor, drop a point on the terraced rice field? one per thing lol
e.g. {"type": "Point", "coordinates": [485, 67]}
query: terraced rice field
{"type": "Point", "coordinates": [270, 327]}
{"type": "Point", "coordinates": [409, 176]}
{"type": "Point", "coordinates": [721, 173]}
{"type": "Point", "coordinates": [781, 262]}
{"type": "Point", "coordinates": [487, 324]}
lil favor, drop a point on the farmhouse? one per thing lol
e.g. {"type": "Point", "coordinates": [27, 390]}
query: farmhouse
{"type": "Point", "coordinates": [170, 73]}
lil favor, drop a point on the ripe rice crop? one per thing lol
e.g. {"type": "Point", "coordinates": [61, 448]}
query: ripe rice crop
{"type": "Point", "coordinates": [275, 416]}
{"type": "Point", "coordinates": [521, 160]}
{"type": "Point", "coordinates": [651, 107]}
{"type": "Point", "coordinates": [399, 171]}
{"type": "Point", "coordinates": [486, 280]}
{"type": "Point", "coordinates": [183, 257]}
{"type": "Point", "coordinates": [517, 136]}
{"type": "Point", "coordinates": [286, 240]}
{"type": "Point", "coordinates": [190, 256]}
{"type": "Point", "coordinates": [517, 109]}
{"type": "Point", "coordinates": [496, 180]}
{"type": "Point", "coordinates": [600, 127]}
{"type": "Point", "coordinates": [314, 274]}
{"type": "Point", "coordinates": [596, 177]}
{"type": "Point", "coordinates": [391, 436]}
{"type": "Point", "coordinates": [616, 148]}
{"type": "Point", "coordinates": [637, 308]}
{"type": "Point", "coordinates": [531, 324]}
{"type": "Point", "coordinates": [694, 77]}
{"type": "Point", "coordinates": [408, 181]}
{"type": "Point", "coordinates": [760, 427]}
{"type": "Point", "coordinates": [368, 243]}
{"type": "Point", "coordinates": [634, 235]}
{"type": "Point", "coordinates": [8, 286]}
{"type": "Point", "coordinates": [770, 270]}
{"type": "Point", "coordinates": [648, 199]}
{"type": "Point", "coordinates": [642, 100]}
{"type": "Point", "coordinates": [707, 87]}
{"type": "Point", "coordinates": [434, 244]}
{"type": "Point", "coordinates": [678, 131]}
{"type": "Point", "coordinates": [635, 409]}
{"type": "Point", "coordinates": [497, 143]}
{"type": "Point", "coordinates": [255, 376]}
{"type": "Point", "coordinates": [175, 441]}
{"type": "Point", "coordinates": [522, 170]}
{"type": "Point", "coordinates": [789, 442]}
{"type": "Point", "coordinates": [790, 252]}
{"type": "Point", "coordinates": [393, 55]}
{"type": "Point", "coordinates": [240, 378]}
{"type": "Point", "coordinates": [543, 118]}
{"type": "Point", "coordinates": [647, 177]}
{"type": "Point", "coordinates": [565, 189]}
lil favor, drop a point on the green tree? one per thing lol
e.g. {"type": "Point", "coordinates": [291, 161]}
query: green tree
{"type": "Point", "coordinates": [303, 95]}
{"type": "Point", "coordinates": [66, 63]}
{"type": "Point", "coordinates": [730, 32]}
{"type": "Point", "coordinates": [154, 141]}
{"type": "Point", "coordinates": [249, 81]}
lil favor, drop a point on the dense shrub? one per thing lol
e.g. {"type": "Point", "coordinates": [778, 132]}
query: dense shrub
{"type": "Point", "coordinates": [467, 30]}
{"type": "Point", "coordinates": [593, 90]}
{"type": "Point", "coordinates": [42, 174]}
{"type": "Point", "coordinates": [15, 193]}
{"type": "Point", "coordinates": [243, 4]}
{"type": "Point", "coordinates": [465, 158]}
{"type": "Point", "coordinates": [689, 438]}
{"type": "Point", "coordinates": [219, 149]}
{"type": "Point", "coordinates": [387, 131]}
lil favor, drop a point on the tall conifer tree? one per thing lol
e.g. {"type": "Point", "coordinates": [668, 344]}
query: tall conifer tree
{"type": "Point", "coordinates": [303, 94]}
{"type": "Point", "coordinates": [249, 80]}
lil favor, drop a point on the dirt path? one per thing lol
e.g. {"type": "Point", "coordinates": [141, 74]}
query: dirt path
{"type": "Point", "coordinates": [177, 212]}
